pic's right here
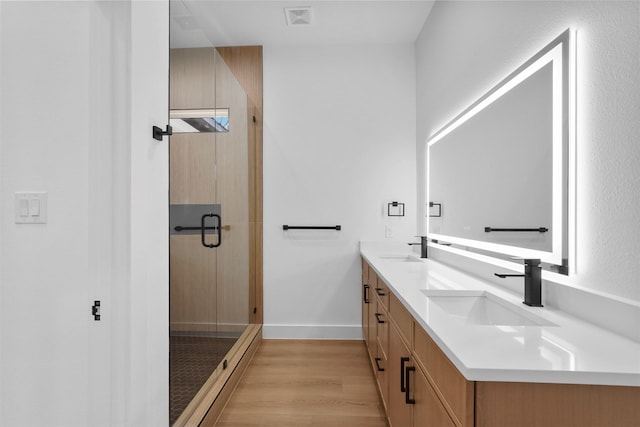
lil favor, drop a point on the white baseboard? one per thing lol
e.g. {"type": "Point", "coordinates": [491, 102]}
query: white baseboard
{"type": "Point", "coordinates": [312, 332]}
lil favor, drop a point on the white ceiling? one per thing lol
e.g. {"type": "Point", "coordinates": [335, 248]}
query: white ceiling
{"type": "Point", "coordinates": [199, 23]}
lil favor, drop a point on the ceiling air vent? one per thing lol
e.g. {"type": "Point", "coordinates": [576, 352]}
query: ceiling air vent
{"type": "Point", "coordinates": [298, 15]}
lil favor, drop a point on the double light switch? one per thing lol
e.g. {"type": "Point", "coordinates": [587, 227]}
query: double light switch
{"type": "Point", "coordinates": [31, 208]}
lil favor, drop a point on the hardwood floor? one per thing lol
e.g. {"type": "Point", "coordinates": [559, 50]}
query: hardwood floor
{"type": "Point", "coordinates": [306, 384]}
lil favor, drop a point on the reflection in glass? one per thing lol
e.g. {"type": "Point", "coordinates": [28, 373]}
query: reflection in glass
{"type": "Point", "coordinates": [195, 121]}
{"type": "Point", "coordinates": [504, 163]}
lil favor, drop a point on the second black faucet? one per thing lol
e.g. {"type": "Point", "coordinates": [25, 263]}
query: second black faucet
{"type": "Point", "coordinates": [423, 246]}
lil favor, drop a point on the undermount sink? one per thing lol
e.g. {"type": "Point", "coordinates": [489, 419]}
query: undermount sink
{"type": "Point", "coordinates": [398, 258]}
{"type": "Point", "coordinates": [482, 308]}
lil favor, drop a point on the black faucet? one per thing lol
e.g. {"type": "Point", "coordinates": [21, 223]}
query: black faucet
{"type": "Point", "coordinates": [532, 282]}
{"type": "Point", "coordinates": [423, 246]}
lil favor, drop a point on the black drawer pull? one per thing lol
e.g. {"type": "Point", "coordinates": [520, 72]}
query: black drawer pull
{"type": "Point", "coordinates": [403, 360]}
{"type": "Point", "coordinates": [380, 292]}
{"type": "Point", "coordinates": [377, 359]}
{"type": "Point", "coordinates": [378, 318]}
{"type": "Point", "coordinates": [407, 399]}
{"type": "Point", "coordinates": [366, 294]}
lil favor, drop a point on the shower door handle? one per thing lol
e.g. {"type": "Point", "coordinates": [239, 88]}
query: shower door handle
{"type": "Point", "coordinates": [218, 230]}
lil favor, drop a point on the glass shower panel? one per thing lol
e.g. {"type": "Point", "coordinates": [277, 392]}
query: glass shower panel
{"type": "Point", "coordinates": [232, 186]}
{"type": "Point", "coordinates": [193, 268]}
{"type": "Point", "coordinates": [209, 227]}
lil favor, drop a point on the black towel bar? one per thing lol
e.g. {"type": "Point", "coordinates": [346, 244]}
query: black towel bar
{"type": "Point", "coordinates": [539, 229]}
{"type": "Point", "coordinates": [311, 227]}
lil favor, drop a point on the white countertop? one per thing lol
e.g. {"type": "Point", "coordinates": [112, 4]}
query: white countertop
{"type": "Point", "coordinates": [567, 350]}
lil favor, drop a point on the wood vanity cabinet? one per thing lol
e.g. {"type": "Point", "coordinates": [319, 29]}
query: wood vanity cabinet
{"type": "Point", "coordinates": [372, 331]}
{"type": "Point", "coordinates": [412, 400]}
{"type": "Point", "coordinates": [382, 358]}
{"type": "Point", "coordinates": [366, 302]}
{"type": "Point", "coordinates": [398, 410]}
{"type": "Point", "coordinates": [571, 405]}
{"type": "Point", "coordinates": [439, 395]}
{"type": "Point", "coordinates": [369, 308]}
{"type": "Point", "coordinates": [420, 393]}
{"type": "Point", "coordinates": [375, 322]}
{"type": "Point", "coordinates": [427, 409]}
{"type": "Point", "coordinates": [455, 393]}
{"type": "Point", "coordinates": [382, 374]}
{"type": "Point", "coordinates": [409, 397]}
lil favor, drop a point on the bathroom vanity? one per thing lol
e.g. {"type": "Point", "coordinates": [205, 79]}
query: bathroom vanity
{"type": "Point", "coordinates": [450, 349]}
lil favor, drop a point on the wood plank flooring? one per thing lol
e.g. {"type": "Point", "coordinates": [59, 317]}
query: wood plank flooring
{"type": "Point", "coordinates": [306, 384]}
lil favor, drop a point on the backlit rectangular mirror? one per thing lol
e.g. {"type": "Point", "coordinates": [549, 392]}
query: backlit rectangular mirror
{"type": "Point", "coordinates": [499, 171]}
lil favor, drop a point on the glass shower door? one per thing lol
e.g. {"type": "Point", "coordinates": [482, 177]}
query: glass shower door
{"type": "Point", "coordinates": [209, 221]}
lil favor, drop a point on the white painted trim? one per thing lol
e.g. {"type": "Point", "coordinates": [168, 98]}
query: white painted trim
{"type": "Point", "coordinates": [329, 332]}
{"type": "Point", "coordinates": [148, 348]}
{"type": "Point", "coordinates": [1, 203]}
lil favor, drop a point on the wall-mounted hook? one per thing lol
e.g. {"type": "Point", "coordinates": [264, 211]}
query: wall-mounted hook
{"type": "Point", "coordinates": [95, 310]}
{"type": "Point", "coordinates": [159, 133]}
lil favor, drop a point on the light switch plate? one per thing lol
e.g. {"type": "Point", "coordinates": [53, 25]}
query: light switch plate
{"type": "Point", "coordinates": [31, 207]}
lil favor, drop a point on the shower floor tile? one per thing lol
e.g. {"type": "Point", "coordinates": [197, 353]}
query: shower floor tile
{"type": "Point", "coordinates": [191, 361]}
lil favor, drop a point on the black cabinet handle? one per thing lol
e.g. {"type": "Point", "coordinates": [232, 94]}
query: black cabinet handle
{"type": "Point", "coordinates": [378, 318]}
{"type": "Point", "coordinates": [218, 230]}
{"type": "Point", "coordinates": [379, 292]}
{"type": "Point", "coordinates": [407, 392]}
{"type": "Point", "coordinates": [403, 360]}
{"type": "Point", "coordinates": [366, 294]}
{"type": "Point", "coordinates": [377, 359]}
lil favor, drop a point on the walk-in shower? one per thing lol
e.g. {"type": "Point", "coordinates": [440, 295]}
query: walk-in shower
{"type": "Point", "coordinates": [212, 235]}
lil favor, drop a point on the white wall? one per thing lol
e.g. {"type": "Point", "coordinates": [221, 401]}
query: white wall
{"type": "Point", "coordinates": [1, 210]}
{"type": "Point", "coordinates": [339, 143]}
{"type": "Point", "coordinates": [467, 47]}
{"type": "Point", "coordinates": [45, 278]}
{"type": "Point", "coordinates": [82, 83]}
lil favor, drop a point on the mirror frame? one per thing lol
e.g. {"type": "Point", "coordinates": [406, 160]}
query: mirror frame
{"type": "Point", "coordinates": [561, 53]}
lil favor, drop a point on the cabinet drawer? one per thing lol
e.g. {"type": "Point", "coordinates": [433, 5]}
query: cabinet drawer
{"type": "Point", "coordinates": [382, 374]}
{"type": "Point", "coordinates": [372, 325]}
{"type": "Point", "coordinates": [381, 290]}
{"type": "Point", "coordinates": [455, 391]}
{"type": "Point", "coordinates": [372, 276]}
{"type": "Point", "coordinates": [365, 271]}
{"type": "Point", "coordinates": [402, 317]}
{"type": "Point", "coordinates": [428, 410]}
{"type": "Point", "coordinates": [382, 322]}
